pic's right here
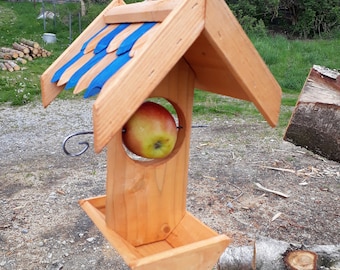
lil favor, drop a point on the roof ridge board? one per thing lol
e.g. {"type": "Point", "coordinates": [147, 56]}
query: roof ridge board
{"type": "Point", "coordinates": [141, 12]}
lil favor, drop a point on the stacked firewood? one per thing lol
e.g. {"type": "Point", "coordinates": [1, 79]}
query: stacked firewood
{"type": "Point", "coordinates": [20, 53]}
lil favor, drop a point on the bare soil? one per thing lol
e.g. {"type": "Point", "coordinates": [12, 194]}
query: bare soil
{"type": "Point", "coordinates": [43, 227]}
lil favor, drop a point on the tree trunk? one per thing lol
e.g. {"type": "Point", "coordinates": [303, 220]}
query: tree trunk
{"type": "Point", "coordinates": [315, 122]}
{"type": "Point", "coordinates": [272, 254]}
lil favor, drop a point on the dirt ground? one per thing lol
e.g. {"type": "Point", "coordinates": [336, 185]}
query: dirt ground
{"type": "Point", "coordinates": [43, 227]}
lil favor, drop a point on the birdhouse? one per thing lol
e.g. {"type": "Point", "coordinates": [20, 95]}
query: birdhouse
{"type": "Point", "coordinates": [164, 49]}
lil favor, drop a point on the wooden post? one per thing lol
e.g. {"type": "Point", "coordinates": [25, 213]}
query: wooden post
{"type": "Point", "coordinates": [146, 200]}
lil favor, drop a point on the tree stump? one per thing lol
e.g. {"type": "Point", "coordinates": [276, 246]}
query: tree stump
{"type": "Point", "coordinates": [315, 122]}
{"type": "Point", "coordinates": [301, 260]}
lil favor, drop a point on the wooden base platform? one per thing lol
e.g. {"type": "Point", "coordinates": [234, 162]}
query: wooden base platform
{"type": "Point", "coordinates": [191, 245]}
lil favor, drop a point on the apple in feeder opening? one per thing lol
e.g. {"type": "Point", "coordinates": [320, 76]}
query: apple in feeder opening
{"type": "Point", "coordinates": [151, 132]}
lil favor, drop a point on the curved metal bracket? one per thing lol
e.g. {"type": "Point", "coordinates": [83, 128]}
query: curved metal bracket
{"type": "Point", "coordinates": [87, 145]}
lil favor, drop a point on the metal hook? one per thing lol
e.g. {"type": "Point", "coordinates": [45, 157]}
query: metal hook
{"type": "Point", "coordinates": [87, 145]}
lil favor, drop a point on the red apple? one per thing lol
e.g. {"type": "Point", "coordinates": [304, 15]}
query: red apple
{"type": "Point", "coordinates": [151, 132]}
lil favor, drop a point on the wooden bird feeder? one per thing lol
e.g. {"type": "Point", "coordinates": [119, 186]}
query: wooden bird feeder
{"type": "Point", "coordinates": [166, 49]}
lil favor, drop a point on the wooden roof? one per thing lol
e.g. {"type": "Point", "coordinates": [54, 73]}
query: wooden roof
{"type": "Point", "coordinates": [128, 49]}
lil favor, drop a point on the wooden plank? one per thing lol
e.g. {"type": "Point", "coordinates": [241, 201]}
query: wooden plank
{"type": "Point", "coordinates": [72, 69]}
{"type": "Point", "coordinates": [85, 80]}
{"type": "Point", "coordinates": [146, 201]}
{"type": "Point", "coordinates": [153, 248]}
{"type": "Point", "coordinates": [212, 74]}
{"type": "Point", "coordinates": [50, 90]}
{"type": "Point", "coordinates": [243, 61]}
{"type": "Point", "coordinates": [169, 43]}
{"type": "Point", "coordinates": [141, 41]}
{"type": "Point", "coordinates": [199, 255]}
{"type": "Point", "coordinates": [114, 44]}
{"type": "Point", "coordinates": [93, 43]}
{"type": "Point", "coordinates": [147, 11]}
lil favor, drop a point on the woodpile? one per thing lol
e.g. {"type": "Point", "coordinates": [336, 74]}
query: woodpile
{"type": "Point", "coordinates": [26, 50]}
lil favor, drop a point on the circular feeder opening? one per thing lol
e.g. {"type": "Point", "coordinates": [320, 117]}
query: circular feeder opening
{"type": "Point", "coordinates": [154, 132]}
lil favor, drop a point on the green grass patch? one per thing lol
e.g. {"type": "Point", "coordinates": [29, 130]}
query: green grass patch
{"type": "Point", "coordinates": [291, 60]}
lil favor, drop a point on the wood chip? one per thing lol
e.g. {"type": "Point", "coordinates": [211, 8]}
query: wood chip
{"type": "Point", "coordinates": [259, 186]}
{"type": "Point", "coordinates": [276, 216]}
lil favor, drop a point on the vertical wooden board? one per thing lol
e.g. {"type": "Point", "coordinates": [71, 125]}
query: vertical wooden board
{"type": "Point", "coordinates": [200, 255]}
{"type": "Point", "coordinates": [49, 90]}
{"type": "Point", "coordinates": [245, 64]}
{"type": "Point", "coordinates": [136, 82]}
{"type": "Point", "coordinates": [145, 201]}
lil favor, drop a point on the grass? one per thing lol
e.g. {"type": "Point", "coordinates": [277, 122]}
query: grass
{"type": "Point", "coordinates": [288, 60]}
{"type": "Point", "coordinates": [291, 60]}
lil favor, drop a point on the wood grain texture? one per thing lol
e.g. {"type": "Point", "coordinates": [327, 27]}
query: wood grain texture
{"type": "Point", "coordinates": [199, 255]}
{"type": "Point", "coordinates": [147, 11]}
{"type": "Point", "coordinates": [315, 121]}
{"type": "Point", "coordinates": [85, 80]}
{"type": "Point", "coordinates": [146, 200]}
{"type": "Point", "coordinates": [158, 55]}
{"type": "Point", "coordinates": [243, 61]}
{"type": "Point", "coordinates": [49, 90]}
{"type": "Point", "coordinates": [198, 249]}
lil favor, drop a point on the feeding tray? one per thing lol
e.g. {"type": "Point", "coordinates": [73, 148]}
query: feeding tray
{"type": "Point", "coordinates": [191, 245]}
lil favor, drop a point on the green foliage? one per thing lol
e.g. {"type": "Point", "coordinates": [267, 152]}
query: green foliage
{"type": "Point", "coordinates": [291, 60]}
{"type": "Point", "coordinates": [304, 19]}
{"type": "Point", "coordinates": [18, 20]}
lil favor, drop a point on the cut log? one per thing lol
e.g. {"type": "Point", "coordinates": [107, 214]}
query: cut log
{"type": "Point", "coordinates": [315, 122]}
{"type": "Point", "coordinates": [8, 67]}
{"type": "Point", "coordinates": [2, 66]}
{"type": "Point", "coordinates": [27, 57]}
{"type": "Point", "coordinates": [12, 52]}
{"type": "Point", "coordinates": [32, 50]}
{"type": "Point", "coordinates": [271, 253]}
{"type": "Point", "coordinates": [30, 43]}
{"type": "Point", "coordinates": [21, 48]}
{"type": "Point", "coordinates": [301, 260]}
{"type": "Point", "coordinates": [14, 65]}
{"type": "Point", "coordinates": [21, 60]}
{"type": "Point", "coordinates": [6, 56]}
